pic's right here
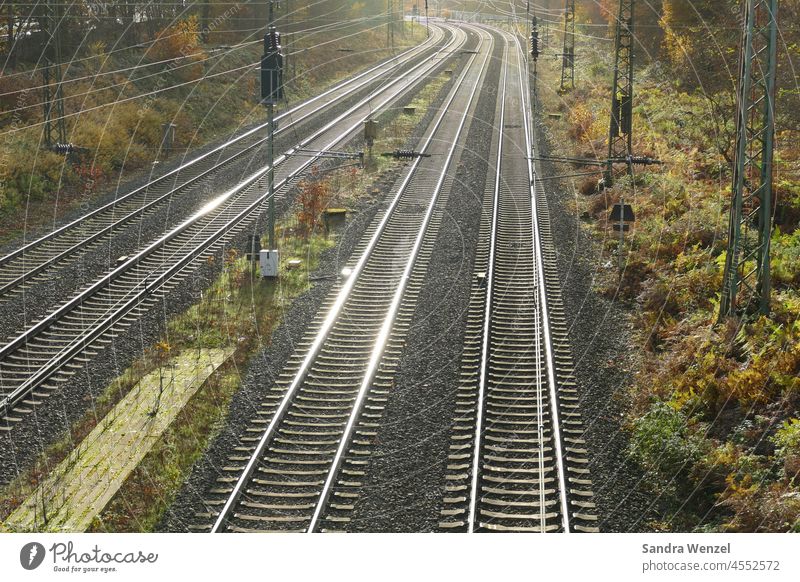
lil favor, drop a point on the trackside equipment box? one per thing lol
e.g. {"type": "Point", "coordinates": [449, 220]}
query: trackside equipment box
{"type": "Point", "coordinates": [269, 263]}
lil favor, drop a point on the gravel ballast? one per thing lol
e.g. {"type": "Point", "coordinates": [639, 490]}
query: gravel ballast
{"type": "Point", "coordinates": [53, 419]}
{"type": "Point", "coordinates": [405, 480]}
{"type": "Point", "coordinates": [599, 332]}
{"type": "Point", "coordinates": [264, 367]}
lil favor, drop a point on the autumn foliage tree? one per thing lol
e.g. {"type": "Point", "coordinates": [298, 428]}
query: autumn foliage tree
{"type": "Point", "coordinates": [181, 41]}
{"type": "Point", "coordinates": [701, 42]}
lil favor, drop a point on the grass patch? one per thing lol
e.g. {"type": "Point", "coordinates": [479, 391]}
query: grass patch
{"type": "Point", "coordinates": [240, 310]}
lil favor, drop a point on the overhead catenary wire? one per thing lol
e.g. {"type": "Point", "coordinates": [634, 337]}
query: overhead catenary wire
{"type": "Point", "coordinates": [105, 55]}
{"type": "Point", "coordinates": [133, 98]}
{"type": "Point", "coordinates": [314, 30]}
{"type": "Point", "coordinates": [125, 100]}
{"type": "Point", "coordinates": [159, 90]}
{"type": "Point", "coordinates": [125, 83]}
{"type": "Point", "coordinates": [175, 18]}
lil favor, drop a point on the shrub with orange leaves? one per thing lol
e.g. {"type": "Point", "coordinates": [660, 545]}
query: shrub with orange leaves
{"type": "Point", "coordinates": [581, 120]}
{"type": "Point", "coordinates": [313, 199]}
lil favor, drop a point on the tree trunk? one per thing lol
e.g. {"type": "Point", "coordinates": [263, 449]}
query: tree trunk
{"type": "Point", "coordinates": [10, 26]}
{"type": "Point", "coordinates": [11, 34]}
{"type": "Point", "coordinates": [204, 18]}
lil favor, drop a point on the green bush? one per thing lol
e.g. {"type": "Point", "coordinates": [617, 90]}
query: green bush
{"type": "Point", "coordinates": [787, 438]}
{"type": "Point", "coordinates": [663, 445]}
{"type": "Point", "coordinates": [787, 443]}
{"type": "Point", "coordinates": [786, 258]}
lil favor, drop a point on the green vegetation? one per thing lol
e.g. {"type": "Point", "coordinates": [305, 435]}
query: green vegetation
{"type": "Point", "coordinates": [714, 407]}
{"type": "Point", "coordinates": [204, 87]}
{"type": "Point", "coordinates": [239, 311]}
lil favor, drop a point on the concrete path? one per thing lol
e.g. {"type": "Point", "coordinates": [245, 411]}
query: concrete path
{"type": "Point", "coordinates": [83, 483]}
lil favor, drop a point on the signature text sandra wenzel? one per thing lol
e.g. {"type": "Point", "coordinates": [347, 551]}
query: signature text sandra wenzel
{"type": "Point", "coordinates": [687, 549]}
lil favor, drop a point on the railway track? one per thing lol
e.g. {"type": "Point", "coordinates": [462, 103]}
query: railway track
{"type": "Point", "coordinates": [517, 461]}
{"type": "Point", "coordinates": [300, 465]}
{"type": "Point", "coordinates": [38, 259]}
{"type": "Point", "coordinates": [36, 362]}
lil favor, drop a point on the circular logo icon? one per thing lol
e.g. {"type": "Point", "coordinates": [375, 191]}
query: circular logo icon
{"type": "Point", "coordinates": [31, 555]}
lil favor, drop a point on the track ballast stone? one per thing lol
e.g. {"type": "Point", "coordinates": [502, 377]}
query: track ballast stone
{"type": "Point", "coordinates": [404, 483]}
{"type": "Point", "coordinates": [599, 332]}
{"type": "Point", "coordinates": [265, 367]}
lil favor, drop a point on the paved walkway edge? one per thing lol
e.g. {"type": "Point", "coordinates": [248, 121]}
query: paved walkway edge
{"type": "Point", "coordinates": [83, 483]}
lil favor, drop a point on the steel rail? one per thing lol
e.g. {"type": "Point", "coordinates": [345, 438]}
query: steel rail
{"type": "Point", "coordinates": [331, 318]}
{"type": "Point", "coordinates": [388, 65]}
{"type": "Point", "coordinates": [543, 299]}
{"type": "Point", "coordinates": [386, 328]}
{"type": "Point", "coordinates": [503, 385]}
{"type": "Point", "coordinates": [484, 366]}
{"type": "Point", "coordinates": [80, 344]}
{"type": "Point", "coordinates": [530, 473]}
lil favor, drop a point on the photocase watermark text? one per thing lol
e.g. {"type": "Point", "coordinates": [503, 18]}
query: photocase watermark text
{"type": "Point", "coordinates": [65, 553]}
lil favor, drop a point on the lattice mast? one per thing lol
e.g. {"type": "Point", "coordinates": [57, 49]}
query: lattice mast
{"type": "Point", "coordinates": [53, 100]}
{"type": "Point", "coordinates": [535, 52]}
{"type": "Point", "coordinates": [568, 52]}
{"type": "Point", "coordinates": [621, 126]}
{"type": "Point", "coordinates": [746, 281]}
{"type": "Point", "coordinates": [390, 24]}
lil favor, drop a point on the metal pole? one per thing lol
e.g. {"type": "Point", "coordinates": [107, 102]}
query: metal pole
{"type": "Point", "coordinates": [48, 106]}
{"type": "Point", "coordinates": [286, 62]}
{"type": "Point", "coordinates": [271, 175]}
{"type": "Point", "coordinates": [527, 23]}
{"type": "Point", "coordinates": [270, 154]}
{"type": "Point", "coordinates": [620, 134]}
{"type": "Point", "coordinates": [59, 103]}
{"type": "Point", "coordinates": [568, 52]}
{"type": "Point", "coordinates": [621, 250]}
{"type": "Point", "coordinates": [746, 281]}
